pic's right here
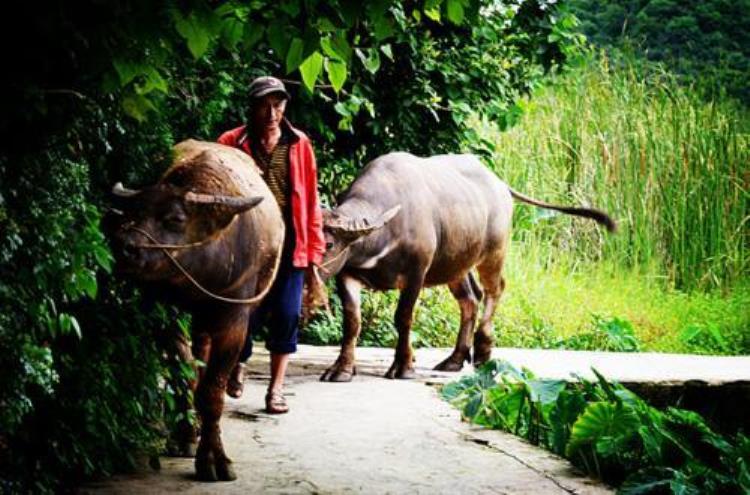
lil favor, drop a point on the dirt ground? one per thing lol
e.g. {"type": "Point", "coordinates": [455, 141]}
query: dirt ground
{"type": "Point", "coordinates": [372, 435]}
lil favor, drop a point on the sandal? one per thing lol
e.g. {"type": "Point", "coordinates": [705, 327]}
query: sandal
{"type": "Point", "coordinates": [236, 385]}
{"type": "Point", "coordinates": [275, 403]}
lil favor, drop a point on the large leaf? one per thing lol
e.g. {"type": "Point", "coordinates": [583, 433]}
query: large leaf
{"type": "Point", "coordinates": [569, 405]}
{"type": "Point", "coordinates": [432, 9]}
{"type": "Point", "coordinates": [126, 70]}
{"type": "Point", "coordinates": [294, 55]}
{"type": "Point", "coordinates": [195, 32]}
{"type": "Point", "coordinates": [545, 391]}
{"type": "Point", "coordinates": [336, 70]}
{"type": "Point", "coordinates": [310, 69]}
{"type": "Point", "coordinates": [277, 38]}
{"type": "Point", "coordinates": [455, 11]}
{"type": "Point", "coordinates": [600, 424]}
{"type": "Point", "coordinates": [647, 481]}
{"type": "Point", "coordinates": [232, 30]}
{"type": "Point", "coordinates": [251, 36]}
{"type": "Point", "coordinates": [137, 106]}
{"type": "Point", "coordinates": [336, 46]}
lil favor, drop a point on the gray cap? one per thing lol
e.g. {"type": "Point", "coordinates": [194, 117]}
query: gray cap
{"type": "Point", "coordinates": [262, 86]}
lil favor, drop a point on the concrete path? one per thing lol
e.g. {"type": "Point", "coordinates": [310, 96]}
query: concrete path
{"type": "Point", "coordinates": [369, 436]}
{"type": "Point", "coordinates": [625, 367]}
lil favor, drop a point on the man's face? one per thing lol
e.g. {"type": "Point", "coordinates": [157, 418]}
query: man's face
{"type": "Point", "coordinates": [268, 112]}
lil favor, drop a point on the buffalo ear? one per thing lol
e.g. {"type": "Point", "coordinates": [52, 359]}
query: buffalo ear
{"type": "Point", "coordinates": [387, 216]}
{"type": "Point", "coordinates": [230, 204]}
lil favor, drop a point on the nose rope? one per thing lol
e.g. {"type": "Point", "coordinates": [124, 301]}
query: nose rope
{"type": "Point", "coordinates": [158, 245]}
{"type": "Point", "coordinates": [324, 265]}
{"type": "Point", "coordinates": [165, 248]}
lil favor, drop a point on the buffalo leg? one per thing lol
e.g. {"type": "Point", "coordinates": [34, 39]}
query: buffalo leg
{"type": "Point", "coordinates": [468, 302]}
{"type": "Point", "coordinates": [211, 463]}
{"type": "Point", "coordinates": [491, 276]}
{"type": "Point", "coordinates": [403, 364]}
{"type": "Point", "coordinates": [344, 368]}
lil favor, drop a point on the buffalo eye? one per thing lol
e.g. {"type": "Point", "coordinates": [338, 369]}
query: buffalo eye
{"type": "Point", "coordinates": [329, 245]}
{"type": "Point", "coordinates": [175, 221]}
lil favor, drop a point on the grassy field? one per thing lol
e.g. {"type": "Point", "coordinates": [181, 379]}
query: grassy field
{"type": "Point", "coordinates": [671, 167]}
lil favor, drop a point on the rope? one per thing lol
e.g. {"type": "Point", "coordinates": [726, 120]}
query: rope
{"type": "Point", "coordinates": [323, 266]}
{"type": "Point", "coordinates": [165, 247]}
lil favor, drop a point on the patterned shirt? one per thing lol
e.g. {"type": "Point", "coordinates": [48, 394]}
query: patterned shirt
{"type": "Point", "coordinates": [275, 167]}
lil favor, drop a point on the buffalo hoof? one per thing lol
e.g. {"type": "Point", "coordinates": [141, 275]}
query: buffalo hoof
{"type": "Point", "coordinates": [481, 356]}
{"type": "Point", "coordinates": [402, 371]}
{"type": "Point", "coordinates": [337, 373]}
{"type": "Point", "coordinates": [450, 364]}
{"type": "Point", "coordinates": [214, 469]}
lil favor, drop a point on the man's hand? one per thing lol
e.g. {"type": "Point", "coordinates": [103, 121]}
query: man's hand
{"type": "Point", "coordinates": [314, 294]}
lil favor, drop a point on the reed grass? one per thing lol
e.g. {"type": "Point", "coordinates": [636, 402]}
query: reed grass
{"type": "Point", "coordinates": [672, 167]}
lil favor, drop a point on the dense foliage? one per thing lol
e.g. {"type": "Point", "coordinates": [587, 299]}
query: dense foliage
{"type": "Point", "coordinates": [607, 431]}
{"type": "Point", "coordinates": [707, 41]}
{"type": "Point", "coordinates": [95, 92]}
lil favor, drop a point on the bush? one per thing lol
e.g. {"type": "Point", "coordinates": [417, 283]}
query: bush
{"type": "Point", "coordinates": [606, 430]}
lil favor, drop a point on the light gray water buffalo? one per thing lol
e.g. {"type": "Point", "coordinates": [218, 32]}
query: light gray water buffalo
{"type": "Point", "coordinates": [408, 222]}
{"type": "Point", "coordinates": [208, 236]}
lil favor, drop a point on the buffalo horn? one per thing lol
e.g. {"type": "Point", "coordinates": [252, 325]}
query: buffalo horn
{"type": "Point", "coordinates": [238, 202]}
{"type": "Point", "coordinates": [119, 190]}
{"type": "Point", "coordinates": [363, 226]}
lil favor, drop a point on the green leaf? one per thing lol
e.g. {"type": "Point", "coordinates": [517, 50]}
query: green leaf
{"type": "Point", "coordinates": [137, 106]}
{"type": "Point", "coordinates": [545, 391]}
{"type": "Point", "coordinates": [646, 481]}
{"type": "Point", "coordinates": [432, 9]}
{"type": "Point", "coordinates": [103, 258]}
{"type": "Point", "coordinates": [232, 30]}
{"type": "Point", "coordinates": [325, 25]}
{"type": "Point", "coordinates": [340, 46]}
{"type": "Point", "coordinates": [196, 34]}
{"type": "Point", "coordinates": [68, 322]}
{"type": "Point", "coordinates": [149, 81]}
{"type": "Point", "coordinates": [276, 36]}
{"type": "Point", "coordinates": [251, 37]}
{"type": "Point", "coordinates": [386, 49]}
{"type": "Point", "coordinates": [569, 405]}
{"type": "Point", "coordinates": [87, 282]}
{"type": "Point", "coordinates": [371, 60]}
{"type": "Point", "coordinates": [126, 70]}
{"type": "Point", "coordinates": [336, 70]}
{"type": "Point", "coordinates": [600, 424]}
{"type": "Point", "coordinates": [291, 8]}
{"type": "Point", "coordinates": [455, 11]}
{"type": "Point", "coordinates": [76, 327]}
{"type": "Point", "coordinates": [310, 69]}
{"type": "Point", "coordinates": [294, 55]}
{"type": "Point", "coordinates": [383, 28]}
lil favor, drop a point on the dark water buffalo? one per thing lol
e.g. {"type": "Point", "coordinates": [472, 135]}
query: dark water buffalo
{"type": "Point", "coordinates": [209, 234]}
{"type": "Point", "coordinates": [408, 222]}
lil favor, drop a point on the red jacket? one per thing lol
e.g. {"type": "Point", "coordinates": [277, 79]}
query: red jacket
{"type": "Point", "coordinates": [303, 178]}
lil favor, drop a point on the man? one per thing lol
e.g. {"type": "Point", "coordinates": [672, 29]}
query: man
{"type": "Point", "coordinates": [286, 157]}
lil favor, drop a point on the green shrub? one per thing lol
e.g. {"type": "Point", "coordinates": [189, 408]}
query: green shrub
{"type": "Point", "coordinates": [606, 430]}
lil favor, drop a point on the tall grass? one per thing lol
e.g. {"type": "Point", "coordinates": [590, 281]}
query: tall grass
{"type": "Point", "coordinates": [672, 167]}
